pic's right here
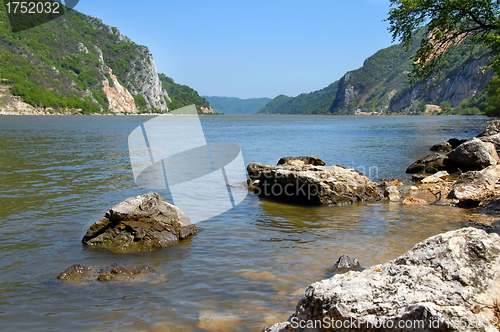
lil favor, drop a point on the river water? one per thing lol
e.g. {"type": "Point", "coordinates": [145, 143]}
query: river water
{"type": "Point", "coordinates": [246, 269]}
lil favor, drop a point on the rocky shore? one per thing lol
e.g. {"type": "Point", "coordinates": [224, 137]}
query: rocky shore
{"type": "Point", "coordinates": [449, 282]}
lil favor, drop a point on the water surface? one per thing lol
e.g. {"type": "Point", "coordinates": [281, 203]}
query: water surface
{"type": "Point", "coordinates": [245, 269]}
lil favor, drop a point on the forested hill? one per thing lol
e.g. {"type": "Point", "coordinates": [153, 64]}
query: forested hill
{"type": "Point", "coordinates": [317, 102]}
{"type": "Point", "coordinates": [77, 62]}
{"type": "Point", "coordinates": [232, 105]}
{"type": "Point", "coordinates": [382, 85]}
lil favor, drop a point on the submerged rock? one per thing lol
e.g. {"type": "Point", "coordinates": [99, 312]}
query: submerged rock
{"type": "Point", "coordinates": [346, 263]}
{"type": "Point", "coordinates": [312, 185]}
{"type": "Point", "coordinates": [115, 272]}
{"type": "Point", "coordinates": [410, 200]}
{"type": "Point", "coordinates": [140, 223]}
{"type": "Point", "coordinates": [442, 279]}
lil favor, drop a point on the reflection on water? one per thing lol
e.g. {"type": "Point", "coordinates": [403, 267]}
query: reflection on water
{"type": "Point", "coordinates": [245, 269]}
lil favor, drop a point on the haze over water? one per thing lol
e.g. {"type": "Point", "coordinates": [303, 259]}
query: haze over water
{"type": "Point", "coordinates": [247, 268]}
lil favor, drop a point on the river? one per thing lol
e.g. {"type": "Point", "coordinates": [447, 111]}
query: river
{"type": "Point", "coordinates": [246, 269]}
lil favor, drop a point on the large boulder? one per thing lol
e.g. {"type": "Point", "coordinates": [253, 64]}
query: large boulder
{"type": "Point", "coordinates": [448, 277]}
{"type": "Point", "coordinates": [311, 185]}
{"type": "Point", "coordinates": [140, 223]}
{"type": "Point", "coordinates": [472, 186]}
{"type": "Point", "coordinates": [473, 155]}
{"type": "Point", "coordinates": [429, 164]}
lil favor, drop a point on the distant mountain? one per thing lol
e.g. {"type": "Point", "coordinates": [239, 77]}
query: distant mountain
{"type": "Point", "coordinates": [317, 102]}
{"type": "Point", "coordinates": [231, 105]}
{"type": "Point", "coordinates": [78, 63]}
{"type": "Point", "coordinates": [275, 104]}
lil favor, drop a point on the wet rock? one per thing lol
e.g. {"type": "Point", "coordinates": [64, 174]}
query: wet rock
{"type": "Point", "coordinates": [346, 263]}
{"type": "Point", "coordinates": [123, 272]}
{"type": "Point", "coordinates": [75, 272]}
{"type": "Point", "coordinates": [140, 223]}
{"type": "Point", "coordinates": [419, 177]}
{"type": "Point", "coordinates": [431, 163]}
{"type": "Point", "coordinates": [473, 155]}
{"type": "Point", "coordinates": [410, 200]}
{"type": "Point", "coordinates": [114, 272]}
{"type": "Point", "coordinates": [302, 160]}
{"type": "Point", "coordinates": [492, 128]}
{"type": "Point", "coordinates": [392, 194]}
{"type": "Point", "coordinates": [312, 185]}
{"type": "Point", "coordinates": [472, 186]}
{"type": "Point", "coordinates": [386, 184]}
{"type": "Point", "coordinates": [442, 147]}
{"type": "Point", "coordinates": [440, 279]}
{"type": "Point", "coordinates": [438, 177]}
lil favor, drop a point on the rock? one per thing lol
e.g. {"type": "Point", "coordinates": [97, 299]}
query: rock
{"type": "Point", "coordinates": [440, 280]}
{"type": "Point", "coordinates": [114, 272]}
{"type": "Point", "coordinates": [392, 193]}
{"type": "Point", "coordinates": [438, 177]}
{"type": "Point", "coordinates": [473, 155]}
{"type": "Point", "coordinates": [410, 200]}
{"type": "Point", "coordinates": [119, 98]}
{"type": "Point", "coordinates": [312, 185]}
{"type": "Point", "coordinates": [386, 184]}
{"type": "Point", "coordinates": [414, 188]}
{"type": "Point", "coordinates": [346, 263]}
{"type": "Point", "coordinates": [494, 139]}
{"type": "Point", "coordinates": [431, 163]}
{"type": "Point", "coordinates": [306, 160]}
{"type": "Point", "coordinates": [455, 142]}
{"type": "Point", "coordinates": [442, 147]}
{"type": "Point", "coordinates": [472, 186]}
{"type": "Point", "coordinates": [419, 177]}
{"type": "Point", "coordinates": [492, 128]}
{"type": "Point", "coordinates": [140, 223]}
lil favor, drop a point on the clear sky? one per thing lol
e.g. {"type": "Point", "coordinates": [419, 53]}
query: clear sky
{"type": "Point", "coordinates": [251, 48]}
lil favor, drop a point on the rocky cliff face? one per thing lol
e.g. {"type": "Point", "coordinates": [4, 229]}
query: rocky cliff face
{"type": "Point", "coordinates": [120, 100]}
{"type": "Point", "coordinates": [142, 76]}
{"type": "Point", "coordinates": [454, 88]}
{"type": "Point", "coordinates": [382, 83]}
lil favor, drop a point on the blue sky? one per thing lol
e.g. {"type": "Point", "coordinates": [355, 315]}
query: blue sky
{"type": "Point", "coordinates": [249, 49]}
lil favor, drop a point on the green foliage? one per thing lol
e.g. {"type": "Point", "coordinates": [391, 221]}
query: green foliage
{"type": "Point", "coordinates": [274, 106]}
{"type": "Point", "coordinates": [182, 95]}
{"type": "Point", "coordinates": [317, 102]}
{"type": "Point", "coordinates": [494, 97]}
{"type": "Point", "coordinates": [140, 102]}
{"type": "Point", "coordinates": [58, 63]}
{"type": "Point", "coordinates": [233, 105]}
{"type": "Point", "coordinates": [446, 107]}
{"type": "Point", "coordinates": [449, 22]}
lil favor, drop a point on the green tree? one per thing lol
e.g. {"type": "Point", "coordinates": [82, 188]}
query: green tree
{"type": "Point", "coordinates": [494, 97]}
{"type": "Point", "coordinates": [446, 107]}
{"type": "Point", "coordinates": [446, 24]}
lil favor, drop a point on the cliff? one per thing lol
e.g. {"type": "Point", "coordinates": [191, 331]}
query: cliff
{"type": "Point", "coordinates": [66, 64]}
{"type": "Point", "coordinates": [382, 84]}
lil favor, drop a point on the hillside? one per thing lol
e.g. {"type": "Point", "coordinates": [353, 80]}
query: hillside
{"type": "Point", "coordinates": [317, 102]}
{"type": "Point", "coordinates": [231, 105]}
{"type": "Point", "coordinates": [382, 85]}
{"type": "Point", "coordinates": [76, 62]}
{"type": "Point", "coordinates": [183, 95]}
